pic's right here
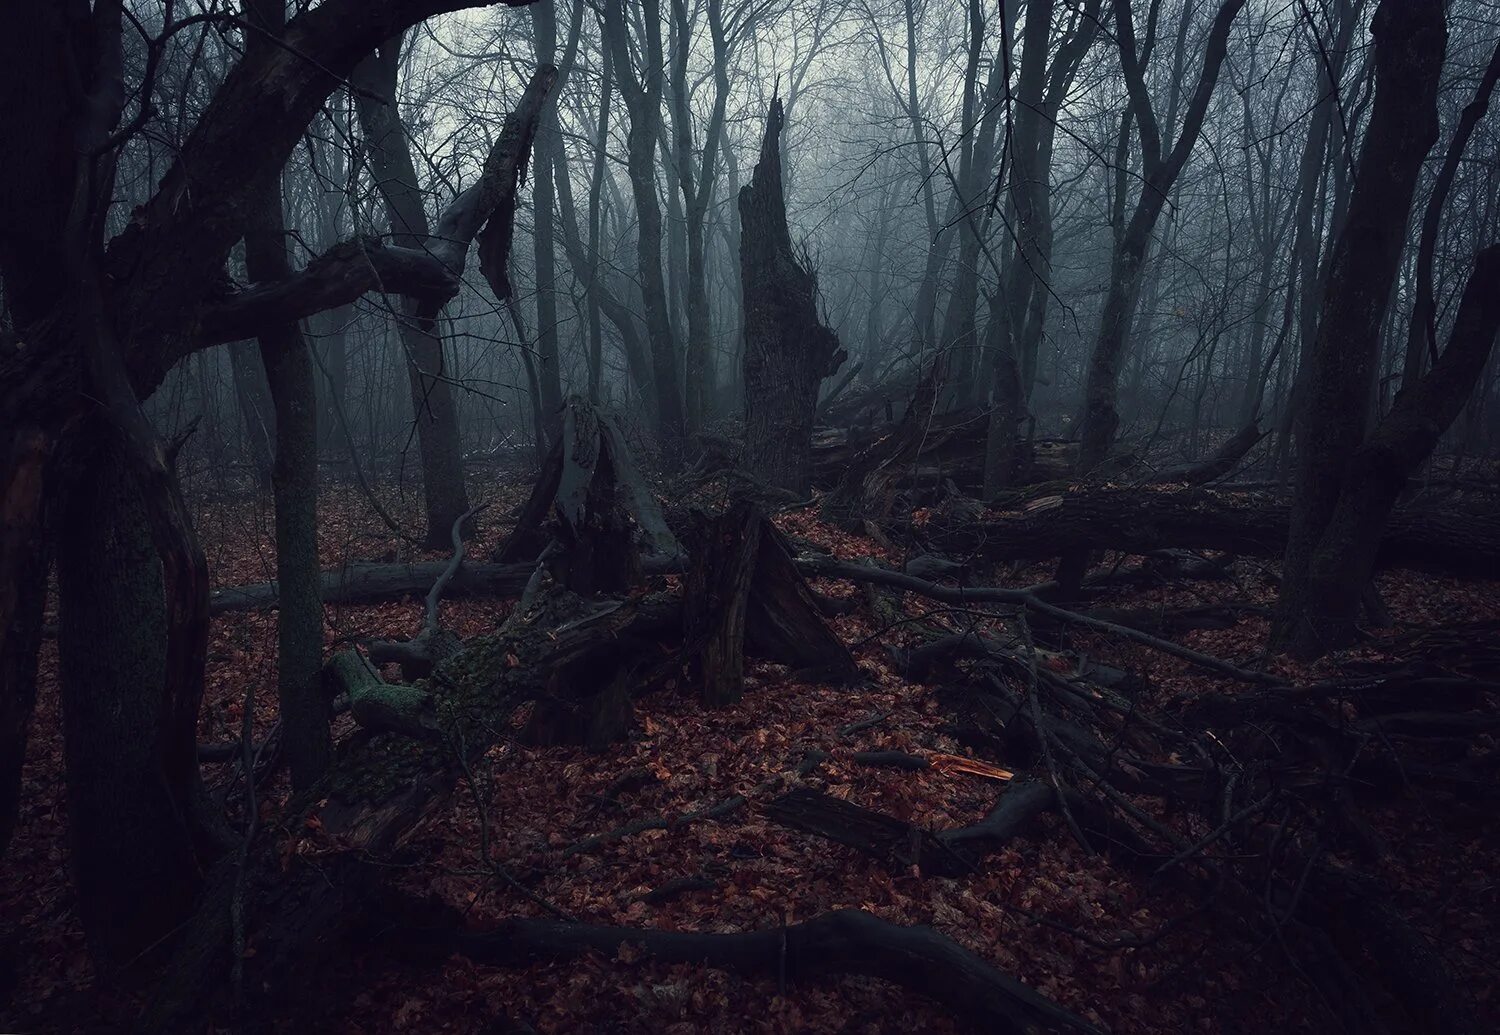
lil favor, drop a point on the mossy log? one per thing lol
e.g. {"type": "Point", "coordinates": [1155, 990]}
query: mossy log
{"type": "Point", "coordinates": [377, 705]}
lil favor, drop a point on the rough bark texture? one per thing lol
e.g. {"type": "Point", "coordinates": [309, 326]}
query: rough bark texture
{"type": "Point", "coordinates": [788, 351]}
{"type": "Point", "coordinates": [131, 848]}
{"type": "Point", "coordinates": [716, 594]}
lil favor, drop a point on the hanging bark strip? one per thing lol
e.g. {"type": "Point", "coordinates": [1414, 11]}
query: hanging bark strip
{"type": "Point", "coordinates": [788, 350]}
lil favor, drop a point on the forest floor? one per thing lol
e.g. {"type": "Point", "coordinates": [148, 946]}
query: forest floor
{"type": "Point", "coordinates": [1040, 909]}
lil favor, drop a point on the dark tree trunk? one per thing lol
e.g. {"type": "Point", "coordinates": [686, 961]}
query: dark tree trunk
{"type": "Point", "coordinates": [643, 100]}
{"type": "Point", "coordinates": [544, 211]}
{"type": "Point", "coordinates": [131, 845]}
{"type": "Point", "coordinates": [1339, 569]}
{"type": "Point", "coordinates": [1410, 38]}
{"type": "Point", "coordinates": [788, 350]}
{"type": "Point", "coordinates": [23, 597]}
{"type": "Point", "coordinates": [1161, 171]}
{"type": "Point", "coordinates": [434, 408]}
{"type": "Point", "coordinates": [1241, 523]}
{"type": "Point", "coordinates": [294, 478]}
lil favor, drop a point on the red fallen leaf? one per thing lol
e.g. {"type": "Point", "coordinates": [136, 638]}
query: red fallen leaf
{"type": "Point", "coordinates": [511, 661]}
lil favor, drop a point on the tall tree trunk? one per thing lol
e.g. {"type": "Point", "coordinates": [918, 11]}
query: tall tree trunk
{"type": "Point", "coordinates": [434, 408]}
{"type": "Point", "coordinates": [643, 99]}
{"type": "Point", "coordinates": [543, 202]}
{"type": "Point", "coordinates": [1410, 37]}
{"type": "Point", "coordinates": [788, 351]}
{"type": "Point", "coordinates": [294, 479]}
{"type": "Point", "coordinates": [1101, 416]}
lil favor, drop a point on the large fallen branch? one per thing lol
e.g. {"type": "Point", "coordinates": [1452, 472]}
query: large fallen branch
{"type": "Point", "coordinates": [848, 941]}
{"type": "Point", "coordinates": [1139, 521]}
{"type": "Point", "coordinates": [832, 568]}
{"type": "Point", "coordinates": [420, 654]}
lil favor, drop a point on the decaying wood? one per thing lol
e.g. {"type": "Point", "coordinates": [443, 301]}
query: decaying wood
{"type": "Point", "coordinates": [1139, 521]}
{"type": "Point", "coordinates": [716, 596]}
{"type": "Point", "coordinates": [377, 705]}
{"type": "Point", "coordinates": [592, 498]}
{"type": "Point", "coordinates": [896, 843]}
{"type": "Point", "coordinates": [368, 582]}
{"type": "Point", "coordinates": [788, 349]}
{"type": "Point", "coordinates": [848, 941]}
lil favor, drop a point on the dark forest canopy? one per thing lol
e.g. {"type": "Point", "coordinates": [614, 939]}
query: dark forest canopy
{"type": "Point", "coordinates": [1112, 380]}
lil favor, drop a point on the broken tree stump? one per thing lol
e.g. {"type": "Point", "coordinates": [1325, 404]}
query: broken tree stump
{"type": "Point", "coordinates": [744, 595]}
{"type": "Point", "coordinates": [593, 501]}
{"type": "Point", "coordinates": [788, 350]}
{"type": "Point", "coordinates": [716, 596]}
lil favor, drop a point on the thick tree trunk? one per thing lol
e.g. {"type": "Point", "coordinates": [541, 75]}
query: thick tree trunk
{"type": "Point", "coordinates": [1410, 38]}
{"type": "Point", "coordinates": [1374, 477]}
{"type": "Point", "coordinates": [788, 350]}
{"type": "Point", "coordinates": [22, 598]}
{"type": "Point", "coordinates": [131, 847]}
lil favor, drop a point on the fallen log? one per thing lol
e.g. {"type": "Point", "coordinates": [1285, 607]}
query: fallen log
{"type": "Point", "coordinates": [365, 582]}
{"type": "Point", "coordinates": [895, 843]}
{"type": "Point", "coordinates": [847, 941]}
{"type": "Point", "coordinates": [374, 582]}
{"type": "Point", "coordinates": [1140, 521]}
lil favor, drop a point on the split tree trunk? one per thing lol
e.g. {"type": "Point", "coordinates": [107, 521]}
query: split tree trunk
{"type": "Point", "coordinates": [788, 350]}
{"type": "Point", "coordinates": [1410, 38]}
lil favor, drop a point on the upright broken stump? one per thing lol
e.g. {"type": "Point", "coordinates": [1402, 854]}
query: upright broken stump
{"type": "Point", "coordinates": [592, 501]}
{"type": "Point", "coordinates": [788, 350]}
{"type": "Point", "coordinates": [743, 594]}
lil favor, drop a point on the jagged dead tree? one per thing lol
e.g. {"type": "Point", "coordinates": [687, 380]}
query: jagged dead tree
{"type": "Point", "coordinates": [788, 350]}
